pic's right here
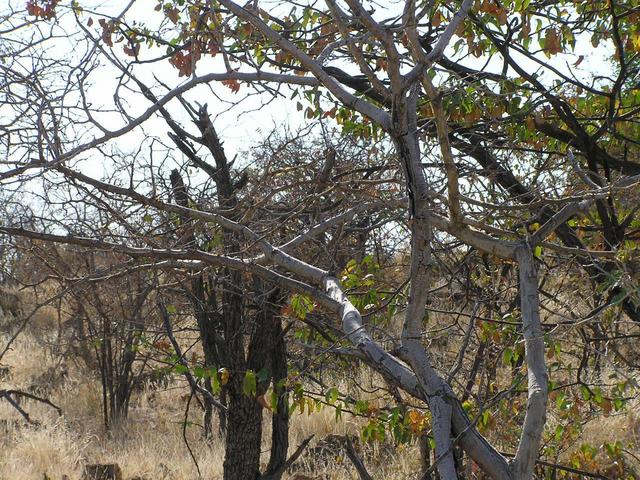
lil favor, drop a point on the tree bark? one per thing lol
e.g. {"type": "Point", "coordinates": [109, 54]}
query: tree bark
{"type": "Point", "coordinates": [244, 433]}
{"type": "Point", "coordinates": [535, 418]}
{"type": "Point", "coordinates": [280, 417]}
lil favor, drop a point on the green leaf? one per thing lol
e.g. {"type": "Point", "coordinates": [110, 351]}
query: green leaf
{"type": "Point", "coordinates": [215, 382]}
{"type": "Point", "coordinates": [585, 392]}
{"type": "Point", "coordinates": [361, 406]}
{"type": "Point", "coordinates": [273, 400]}
{"type": "Point", "coordinates": [301, 305]}
{"type": "Point", "coordinates": [597, 395]}
{"type": "Point", "coordinates": [485, 417]}
{"type": "Point", "coordinates": [249, 384]}
{"type": "Point", "coordinates": [618, 403]}
{"type": "Point", "coordinates": [338, 412]}
{"type": "Point", "coordinates": [332, 395]}
{"type": "Point", "coordinates": [507, 355]}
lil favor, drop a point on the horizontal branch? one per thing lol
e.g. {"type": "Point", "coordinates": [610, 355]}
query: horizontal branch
{"type": "Point", "coordinates": [186, 258]}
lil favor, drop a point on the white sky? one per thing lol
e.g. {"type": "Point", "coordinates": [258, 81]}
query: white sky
{"type": "Point", "coordinates": [243, 125]}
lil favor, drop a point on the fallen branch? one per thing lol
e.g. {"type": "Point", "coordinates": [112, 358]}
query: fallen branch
{"type": "Point", "coordinates": [356, 460]}
{"type": "Point", "coordinates": [290, 461]}
{"type": "Point", "coordinates": [6, 394]}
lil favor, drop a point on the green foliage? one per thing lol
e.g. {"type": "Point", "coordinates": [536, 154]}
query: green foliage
{"type": "Point", "coordinates": [249, 383]}
{"type": "Point", "coordinates": [301, 305]}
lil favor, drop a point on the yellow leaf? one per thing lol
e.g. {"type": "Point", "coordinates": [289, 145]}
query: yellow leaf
{"type": "Point", "coordinates": [224, 375]}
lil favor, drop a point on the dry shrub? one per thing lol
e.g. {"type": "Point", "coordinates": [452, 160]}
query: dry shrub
{"type": "Point", "coordinates": [10, 300]}
{"type": "Point", "coordinates": [44, 321]}
{"type": "Point", "coordinates": [51, 450]}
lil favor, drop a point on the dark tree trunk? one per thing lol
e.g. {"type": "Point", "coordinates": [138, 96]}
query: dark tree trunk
{"type": "Point", "coordinates": [280, 417]}
{"type": "Point", "coordinates": [244, 434]}
{"type": "Point", "coordinates": [244, 414]}
{"type": "Point", "coordinates": [224, 335]}
{"type": "Point", "coordinates": [204, 305]}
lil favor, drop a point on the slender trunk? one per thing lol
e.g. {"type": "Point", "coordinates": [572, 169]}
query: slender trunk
{"type": "Point", "coordinates": [425, 457]}
{"type": "Point", "coordinates": [207, 325]}
{"type": "Point", "coordinates": [408, 148]}
{"type": "Point", "coordinates": [477, 361]}
{"type": "Point", "coordinates": [432, 385]}
{"type": "Point", "coordinates": [534, 419]}
{"type": "Point", "coordinates": [280, 417]}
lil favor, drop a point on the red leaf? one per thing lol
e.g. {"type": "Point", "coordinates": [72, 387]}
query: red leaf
{"type": "Point", "coordinates": [106, 32]}
{"type": "Point", "coordinates": [233, 84]}
{"type": "Point", "coordinates": [45, 10]}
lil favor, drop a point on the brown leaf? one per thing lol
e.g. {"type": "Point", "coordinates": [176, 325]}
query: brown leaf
{"type": "Point", "coordinates": [262, 400]}
{"type": "Point", "coordinates": [106, 32]}
{"type": "Point", "coordinates": [132, 50]}
{"type": "Point", "coordinates": [552, 42]}
{"type": "Point", "coordinates": [501, 15]}
{"type": "Point", "coordinates": [437, 19]}
{"type": "Point", "coordinates": [233, 84]}
{"type": "Point", "coordinates": [172, 14]}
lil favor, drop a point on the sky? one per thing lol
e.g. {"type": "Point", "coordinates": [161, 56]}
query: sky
{"type": "Point", "coordinates": [239, 127]}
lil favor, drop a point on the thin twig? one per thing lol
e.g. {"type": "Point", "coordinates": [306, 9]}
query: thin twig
{"type": "Point", "coordinates": [187, 374]}
{"type": "Point", "coordinates": [184, 434]}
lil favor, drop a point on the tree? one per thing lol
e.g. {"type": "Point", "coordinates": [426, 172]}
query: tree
{"type": "Point", "coordinates": [490, 156]}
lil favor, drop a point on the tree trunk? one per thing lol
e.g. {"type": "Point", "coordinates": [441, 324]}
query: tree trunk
{"type": "Point", "coordinates": [534, 419]}
{"type": "Point", "coordinates": [244, 433]}
{"type": "Point", "coordinates": [205, 307]}
{"type": "Point", "coordinates": [280, 417]}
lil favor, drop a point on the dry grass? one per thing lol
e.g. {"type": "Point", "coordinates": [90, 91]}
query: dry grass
{"type": "Point", "coordinates": [151, 444]}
